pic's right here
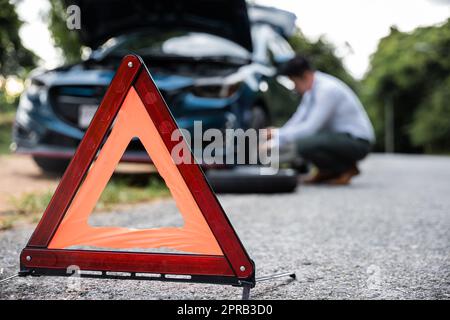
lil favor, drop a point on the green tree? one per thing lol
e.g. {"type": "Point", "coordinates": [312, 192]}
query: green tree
{"type": "Point", "coordinates": [63, 38]}
{"type": "Point", "coordinates": [15, 59]}
{"type": "Point", "coordinates": [431, 128]}
{"type": "Point", "coordinates": [411, 72]}
{"type": "Point", "coordinates": [323, 57]}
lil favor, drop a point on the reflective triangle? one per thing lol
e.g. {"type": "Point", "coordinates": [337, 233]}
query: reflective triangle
{"type": "Point", "coordinates": [133, 107]}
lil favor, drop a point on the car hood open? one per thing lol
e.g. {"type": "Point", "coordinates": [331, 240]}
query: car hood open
{"type": "Point", "coordinates": [104, 19]}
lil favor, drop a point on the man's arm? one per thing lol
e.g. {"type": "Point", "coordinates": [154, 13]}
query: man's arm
{"type": "Point", "coordinates": [321, 111]}
{"type": "Point", "coordinates": [293, 121]}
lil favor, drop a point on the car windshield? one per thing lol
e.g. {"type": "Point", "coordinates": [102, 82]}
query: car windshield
{"type": "Point", "coordinates": [180, 44]}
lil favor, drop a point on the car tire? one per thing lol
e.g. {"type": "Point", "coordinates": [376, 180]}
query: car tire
{"type": "Point", "coordinates": [51, 165]}
{"type": "Point", "coordinates": [248, 179]}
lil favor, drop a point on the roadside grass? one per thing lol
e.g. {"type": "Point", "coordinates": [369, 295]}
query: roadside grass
{"type": "Point", "coordinates": [6, 120]}
{"type": "Point", "coordinates": [130, 190]}
{"type": "Point", "coordinates": [121, 190]}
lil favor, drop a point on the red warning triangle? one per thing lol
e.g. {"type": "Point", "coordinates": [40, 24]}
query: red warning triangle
{"type": "Point", "coordinates": [212, 251]}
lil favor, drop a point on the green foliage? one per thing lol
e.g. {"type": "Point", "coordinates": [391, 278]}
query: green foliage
{"type": "Point", "coordinates": [123, 191]}
{"type": "Point", "coordinates": [431, 125]}
{"type": "Point", "coordinates": [7, 103]}
{"type": "Point", "coordinates": [322, 56]}
{"type": "Point", "coordinates": [15, 59]}
{"type": "Point", "coordinates": [411, 71]}
{"type": "Point", "coordinates": [63, 38]}
{"type": "Point", "coordinates": [6, 120]}
{"type": "Point", "coordinates": [29, 203]}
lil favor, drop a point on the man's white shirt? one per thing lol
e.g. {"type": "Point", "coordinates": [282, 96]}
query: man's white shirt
{"type": "Point", "coordinates": [329, 106]}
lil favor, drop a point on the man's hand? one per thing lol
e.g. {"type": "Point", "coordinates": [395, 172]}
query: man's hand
{"type": "Point", "coordinates": [270, 132]}
{"type": "Point", "coordinates": [265, 146]}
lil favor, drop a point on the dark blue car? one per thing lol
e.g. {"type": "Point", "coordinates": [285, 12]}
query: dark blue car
{"type": "Point", "coordinates": [213, 61]}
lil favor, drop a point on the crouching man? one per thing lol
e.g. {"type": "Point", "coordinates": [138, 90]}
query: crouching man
{"type": "Point", "coordinates": [330, 127]}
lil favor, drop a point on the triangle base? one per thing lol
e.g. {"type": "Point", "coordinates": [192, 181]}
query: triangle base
{"type": "Point", "coordinates": [131, 265]}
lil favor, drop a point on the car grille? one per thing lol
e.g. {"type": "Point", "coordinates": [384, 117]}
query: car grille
{"type": "Point", "coordinates": [67, 100]}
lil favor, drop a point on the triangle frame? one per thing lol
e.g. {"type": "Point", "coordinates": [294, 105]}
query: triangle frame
{"type": "Point", "coordinates": [235, 266]}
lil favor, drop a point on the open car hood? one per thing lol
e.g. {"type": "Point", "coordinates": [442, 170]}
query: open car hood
{"type": "Point", "coordinates": [104, 19]}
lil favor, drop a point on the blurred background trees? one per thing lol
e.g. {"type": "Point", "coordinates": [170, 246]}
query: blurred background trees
{"type": "Point", "coordinates": [67, 41]}
{"type": "Point", "coordinates": [323, 57]}
{"type": "Point", "coordinates": [15, 59]}
{"type": "Point", "coordinates": [15, 62]}
{"type": "Point", "coordinates": [407, 90]}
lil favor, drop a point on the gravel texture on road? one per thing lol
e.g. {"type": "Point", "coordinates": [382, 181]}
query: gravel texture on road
{"type": "Point", "coordinates": [387, 236]}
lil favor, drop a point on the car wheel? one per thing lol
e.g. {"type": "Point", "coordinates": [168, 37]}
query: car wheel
{"type": "Point", "coordinates": [51, 165]}
{"type": "Point", "coordinates": [248, 179]}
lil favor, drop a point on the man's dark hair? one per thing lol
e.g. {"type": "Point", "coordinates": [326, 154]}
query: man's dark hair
{"type": "Point", "coordinates": [296, 67]}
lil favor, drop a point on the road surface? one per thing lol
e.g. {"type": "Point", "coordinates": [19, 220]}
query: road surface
{"type": "Point", "coordinates": [387, 236]}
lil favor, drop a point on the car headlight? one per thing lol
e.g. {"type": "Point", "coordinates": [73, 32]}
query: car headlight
{"type": "Point", "coordinates": [216, 90]}
{"type": "Point", "coordinates": [34, 89]}
{"type": "Point", "coordinates": [34, 97]}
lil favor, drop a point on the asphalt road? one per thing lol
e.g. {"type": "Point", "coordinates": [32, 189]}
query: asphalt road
{"type": "Point", "coordinates": [387, 236]}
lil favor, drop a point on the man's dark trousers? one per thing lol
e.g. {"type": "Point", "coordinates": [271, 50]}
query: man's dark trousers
{"type": "Point", "coordinates": [333, 152]}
